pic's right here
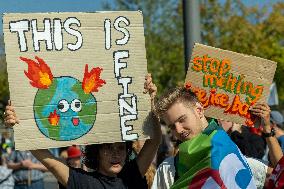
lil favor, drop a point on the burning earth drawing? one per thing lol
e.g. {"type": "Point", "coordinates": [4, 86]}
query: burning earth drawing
{"type": "Point", "coordinates": [64, 108]}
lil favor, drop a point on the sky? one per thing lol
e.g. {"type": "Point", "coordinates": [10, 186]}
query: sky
{"type": "Point", "coordinates": [49, 5]}
{"type": "Point", "coordinates": [258, 2]}
{"type": "Point", "coordinates": [7, 6]}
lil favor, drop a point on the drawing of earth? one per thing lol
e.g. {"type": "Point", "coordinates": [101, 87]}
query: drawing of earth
{"type": "Point", "coordinates": [64, 112]}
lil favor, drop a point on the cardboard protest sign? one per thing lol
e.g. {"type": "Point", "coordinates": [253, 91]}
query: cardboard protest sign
{"type": "Point", "coordinates": [76, 78]}
{"type": "Point", "coordinates": [228, 83]}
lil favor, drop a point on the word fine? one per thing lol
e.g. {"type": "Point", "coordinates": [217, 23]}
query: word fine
{"type": "Point", "coordinates": [222, 100]}
{"type": "Point", "coordinates": [217, 75]}
{"type": "Point", "coordinates": [127, 102]}
{"type": "Point", "coordinates": [51, 33]}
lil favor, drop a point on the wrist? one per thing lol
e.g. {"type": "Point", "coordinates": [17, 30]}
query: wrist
{"type": "Point", "coordinates": [267, 133]}
{"type": "Point", "coordinates": [32, 166]}
{"type": "Point", "coordinates": [266, 129]}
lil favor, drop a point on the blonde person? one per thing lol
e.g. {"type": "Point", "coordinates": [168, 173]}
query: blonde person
{"type": "Point", "coordinates": [207, 157]}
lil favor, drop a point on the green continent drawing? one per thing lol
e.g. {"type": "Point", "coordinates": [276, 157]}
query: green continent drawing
{"type": "Point", "coordinates": [64, 108]}
{"type": "Point", "coordinates": [63, 111]}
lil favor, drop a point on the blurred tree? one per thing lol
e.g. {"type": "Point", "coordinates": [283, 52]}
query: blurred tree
{"type": "Point", "coordinates": [163, 36]}
{"type": "Point", "coordinates": [230, 25]}
{"type": "Point", "coordinates": [2, 52]}
{"type": "Point", "coordinates": [1, 44]}
{"type": "Point", "coordinates": [249, 30]}
{"type": "Point", "coordinates": [4, 91]}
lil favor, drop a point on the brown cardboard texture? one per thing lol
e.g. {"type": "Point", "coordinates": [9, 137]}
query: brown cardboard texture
{"type": "Point", "coordinates": [76, 78]}
{"type": "Point", "coordinates": [228, 83]}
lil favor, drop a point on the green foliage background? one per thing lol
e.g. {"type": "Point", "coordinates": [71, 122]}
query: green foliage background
{"type": "Point", "coordinates": [4, 91]}
{"type": "Point", "coordinates": [230, 25]}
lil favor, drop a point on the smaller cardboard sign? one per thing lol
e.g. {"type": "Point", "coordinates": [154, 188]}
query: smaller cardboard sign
{"type": "Point", "coordinates": [228, 83]}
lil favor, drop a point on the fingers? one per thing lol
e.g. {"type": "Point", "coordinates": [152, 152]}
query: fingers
{"type": "Point", "coordinates": [27, 163]}
{"type": "Point", "coordinates": [152, 88]}
{"type": "Point", "coordinates": [262, 106]}
{"type": "Point", "coordinates": [10, 118]}
{"type": "Point", "coordinates": [149, 86]}
{"type": "Point", "coordinates": [148, 80]}
{"type": "Point", "coordinates": [261, 110]}
{"type": "Point", "coordinates": [9, 108]}
{"type": "Point", "coordinates": [10, 121]}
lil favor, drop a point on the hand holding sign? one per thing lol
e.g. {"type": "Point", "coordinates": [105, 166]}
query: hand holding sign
{"type": "Point", "coordinates": [10, 118]}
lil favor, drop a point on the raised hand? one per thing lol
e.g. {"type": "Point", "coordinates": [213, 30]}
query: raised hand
{"type": "Point", "coordinates": [262, 110]}
{"type": "Point", "coordinates": [150, 87]}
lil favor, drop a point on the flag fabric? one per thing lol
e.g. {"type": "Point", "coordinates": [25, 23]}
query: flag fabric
{"type": "Point", "coordinates": [212, 160]}
{"type": "Point", "coordinates": [276, 180]}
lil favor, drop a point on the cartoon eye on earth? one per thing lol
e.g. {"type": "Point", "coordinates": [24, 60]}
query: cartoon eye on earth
{"type": "Point", "coordinates": [64, 108]}
{"type": "Point", "coordinates": [76, 105]}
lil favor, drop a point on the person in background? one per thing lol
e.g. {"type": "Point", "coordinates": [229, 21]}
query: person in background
{"type": "Point", "coordinates": [27, 170]}
{"type": "Point", "coordinates": [6, 177]}
{"type": "Point", "coordinates": [276, 121]}
{"type": "Point", "coordinates": [168, 147]}
{"type": "Point", "coordinates": [74, 157]}
{"type": "Point", "coordinates": [63, 154]}
{"type": "Point", "coordinates": [276, 179]}
{"type": "Point", "coordinates": [6, 147]}
{"type": "Point", "coordinates": [250, 144]}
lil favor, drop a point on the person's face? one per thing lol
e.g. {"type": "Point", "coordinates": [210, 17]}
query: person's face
{"type": "Point", "coordinates": [74, 162]}
{"type": "Point", "coordinates": [184, 122]}
{"type": "Point", "coordinates": [112, 158]}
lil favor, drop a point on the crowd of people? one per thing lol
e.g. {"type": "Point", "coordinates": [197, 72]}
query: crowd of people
{"type": "Point", "coordinates": [186, 150]}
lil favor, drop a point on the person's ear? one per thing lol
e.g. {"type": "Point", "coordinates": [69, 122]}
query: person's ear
{"type": "Point", "coordinates": [199, 110]}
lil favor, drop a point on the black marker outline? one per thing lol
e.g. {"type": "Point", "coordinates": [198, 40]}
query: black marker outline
{"type": "Point", "coordinates": [19, 43]}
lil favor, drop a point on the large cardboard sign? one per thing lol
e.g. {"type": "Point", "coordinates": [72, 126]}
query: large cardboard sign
{"type": "Point", "coordinates": [76, 78]}
{"type": "Point", "coordinates": [228, 83]}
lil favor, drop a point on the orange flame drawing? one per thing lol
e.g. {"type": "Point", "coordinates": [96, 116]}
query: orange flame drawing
{"type": "Point", "coordinates": [92, 81]}
{"type": "Point", "coordinates": [53, 118]}
{"type": "Point", "coordinates": [39, 73]}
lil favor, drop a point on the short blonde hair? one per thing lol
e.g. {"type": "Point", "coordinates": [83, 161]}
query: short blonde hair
{"type": "Point", "coordinates": [178, 94]}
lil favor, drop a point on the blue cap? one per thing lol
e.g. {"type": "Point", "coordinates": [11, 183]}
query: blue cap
{"type": "Point", "coordinates": [276, 117]}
